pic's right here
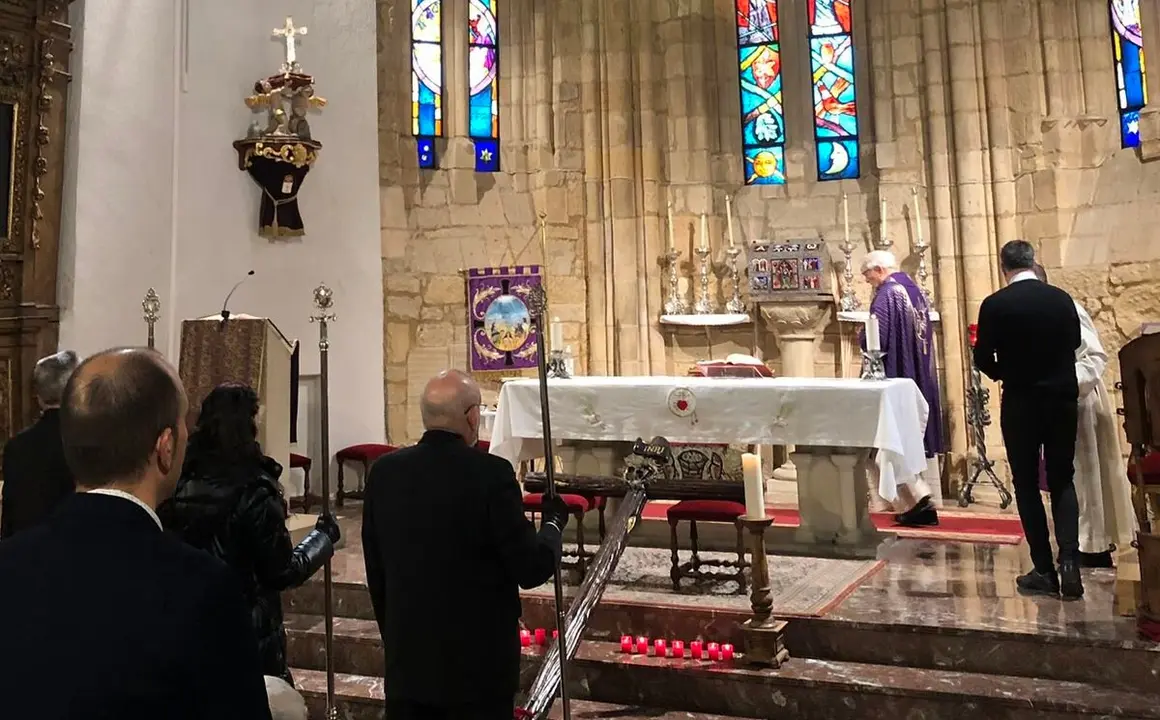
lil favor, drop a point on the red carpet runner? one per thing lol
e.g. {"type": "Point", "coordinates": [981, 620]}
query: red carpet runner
{"type": "Point", "coordinates": [957, 527]}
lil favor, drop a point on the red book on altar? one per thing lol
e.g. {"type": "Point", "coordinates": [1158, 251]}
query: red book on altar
{"type": "Point", "coordinates": [734, 366]}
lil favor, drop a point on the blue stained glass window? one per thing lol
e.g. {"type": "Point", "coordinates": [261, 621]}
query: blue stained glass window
{"type": "Point", "coordinates": [483, 79]}
{"type": "Point", "coordinates": [1131, 78]}
{"type": "Point", "coordinates": [759, 74]}
{"type": "Point", "coordinates": [426, 77]}
{"type": "Point", "coordinates": [835, 88]}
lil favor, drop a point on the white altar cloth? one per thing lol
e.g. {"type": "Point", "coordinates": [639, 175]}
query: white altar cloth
{"type": "Point", "coordinates": [889, 416]}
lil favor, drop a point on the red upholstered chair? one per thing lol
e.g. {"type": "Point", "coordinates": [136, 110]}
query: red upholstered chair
{"type": "Point", "coordinates": [716, 511]}
{"type": "Point", "coordinates": [303, 463]}
{"type": "Point", "coordinates": [365, 455]}
{"type": "Point", "coordinates": [577, 505]}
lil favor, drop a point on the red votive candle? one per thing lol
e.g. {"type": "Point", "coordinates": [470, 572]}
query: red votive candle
{"type": "Point", "coordinates": [678, 649]}
{"type": "Point", "coordinates": [713, 651]}
{"type": "Point", "coordinates": [555, 634]}
{"type": "Point", "coordinates": [525, 638]}
{"type": "Point", "coordinates": [695, 649]}
{"type": "Point", "coordinates": [642, 645]}
{"type": "Point", "coordinates": [726, 652]}
{"type": "Point", "coordinates": [626, 643]}
{"type": "Point", "coordinates": [541, 636]}
{"type": "Point", "coordinates": [659, 648]}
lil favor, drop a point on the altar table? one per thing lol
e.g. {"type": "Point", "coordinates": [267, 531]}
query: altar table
{"type": "Point", "coordinates": [834, 423]}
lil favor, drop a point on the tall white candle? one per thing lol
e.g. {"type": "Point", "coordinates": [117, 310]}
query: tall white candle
{"type": "Point", "coordinates": [704, 231]}
{"type": "Point", "coordinates": [846, 219]}
{"type": "Point", "coordinates": [917, 217]}
{"type": "Point", "coordinates": [557, 333]}
{"type": "Point", "coordinates": [882, 220]}
{"type": "Point", "coordinates": [729, 216]}
{"type": "Point", "coordinates": [672, 237]}
{"type": "Point", "coordinates": [754, 488]}
{"type": "Point", "coordinates": [873, 342]}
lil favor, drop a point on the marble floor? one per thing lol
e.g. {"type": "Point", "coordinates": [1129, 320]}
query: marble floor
{"type": "Point", "coordinates": [947, 585]}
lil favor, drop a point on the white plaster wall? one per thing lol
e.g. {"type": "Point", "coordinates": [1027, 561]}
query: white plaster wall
{"type": "Point", "coordinates": [162, 203]}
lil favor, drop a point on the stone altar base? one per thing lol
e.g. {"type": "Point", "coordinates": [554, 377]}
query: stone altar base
{"type": "Point", "coordinates": [937, 632]}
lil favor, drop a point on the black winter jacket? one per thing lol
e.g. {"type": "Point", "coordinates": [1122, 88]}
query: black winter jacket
{"type": "Point", "coordinates": [236, 513]}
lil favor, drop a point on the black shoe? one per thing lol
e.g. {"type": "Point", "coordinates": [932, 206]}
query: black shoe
{"type": "Point", "coordinates": [1070, 583]}
{"type": "Point", "coordinates": [1096, 560]}
{"type": "Point", "coordinates": [923, 514]}
{"type": "Point", "coordinates": [1037, 583]}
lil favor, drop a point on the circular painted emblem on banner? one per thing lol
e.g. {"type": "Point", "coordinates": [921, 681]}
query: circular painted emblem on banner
{"type": "Point", "coordinates": [508, 323]}
{"type": "Point", "coordinates": [682, 402]}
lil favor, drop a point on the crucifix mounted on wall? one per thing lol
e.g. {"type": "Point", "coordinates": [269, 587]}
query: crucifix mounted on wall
{"type": "Point", "coordinates": [279, 154]}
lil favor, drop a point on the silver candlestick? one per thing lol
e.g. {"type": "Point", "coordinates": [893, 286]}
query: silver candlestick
{"type": "Point", "coordinates": [872, 366]}
{"type": "Point", "coordinates": [558, 365]}
{"type": "Point", "coordinates": [675, 304]}
{"type": "Point", "coordinates": [922, 246]}
{"type": "Point", "coordinates": [850, 301]}
{"type": "Point", "coordinates": [704, 304]}
{"type": "Point", "coordinates": [734, 304]}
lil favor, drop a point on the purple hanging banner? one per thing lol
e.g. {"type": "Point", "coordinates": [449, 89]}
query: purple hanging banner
{"type": "Point", "coordinates": [499, 322]}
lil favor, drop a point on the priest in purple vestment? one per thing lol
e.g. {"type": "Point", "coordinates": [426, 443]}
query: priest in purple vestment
{"type": "Point", "coordinates": [906, 336]}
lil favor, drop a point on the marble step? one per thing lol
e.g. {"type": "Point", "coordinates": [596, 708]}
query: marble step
{"type": "Point", "coordinates": [361, 698]}
{"type": "Point", "coordinates": [1077, 659]}
{"type": "Point", "coordinates": [803, 688]}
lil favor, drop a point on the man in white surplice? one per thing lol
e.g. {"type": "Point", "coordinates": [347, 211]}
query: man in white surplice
{"type": "Point", "coordinates": [1106, 517]}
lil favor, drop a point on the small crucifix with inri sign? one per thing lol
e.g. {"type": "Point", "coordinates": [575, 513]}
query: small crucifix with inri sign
{"type": "Point", "coordinates": [289, 35]}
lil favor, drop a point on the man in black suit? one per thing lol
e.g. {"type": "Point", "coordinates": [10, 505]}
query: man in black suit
{"type": "Point", "coordinates": [1027, 337]}
{"type": "Point", "coordinates": [103, 616]}
{"type": "Point", "coordinates": [447, 547]}
{"type": "Point", "coordinates": [36, 477]}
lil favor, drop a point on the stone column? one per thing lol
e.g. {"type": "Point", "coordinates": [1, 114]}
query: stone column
{"type": "Point", "coordinates": [796, 327]}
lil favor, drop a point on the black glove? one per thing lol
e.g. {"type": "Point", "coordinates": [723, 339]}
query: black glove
{"type": "Point", "coordinates": [328, 526]}
{"type": "Point", "coordinates": [554, 510]}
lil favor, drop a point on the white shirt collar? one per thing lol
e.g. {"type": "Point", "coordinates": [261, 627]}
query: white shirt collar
{"type": "Point", "coordinates": [131, 498]}
{"type": "Point", "coordinates": [1023, 275]}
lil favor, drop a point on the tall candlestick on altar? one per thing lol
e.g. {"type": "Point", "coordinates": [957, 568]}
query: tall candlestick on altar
{"type": "Point", "coordinates": [754, 488]}
{"type": "Point", "coordinates": [917, 218]}
{"type": "Point", "coordinates": [882, 224]}
{"type": "Point", "coordinates": [672, 237]}
{"type": "Point", "coordinates": [845, 219]}
{"type": "Point", "coordinates": [704, 231]}
{"type": "Point", "coordinates": [873, 342]}
{"type": "Point", "coordinates": [557, 333]}
{"type": "Point", "coordinates": [729, 218]}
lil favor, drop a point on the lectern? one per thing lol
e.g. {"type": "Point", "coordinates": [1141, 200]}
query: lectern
{"type": "Point", "coordinates": [241, 349]}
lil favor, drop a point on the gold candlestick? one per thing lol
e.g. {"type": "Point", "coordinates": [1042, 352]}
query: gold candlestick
{"type": "Point", "coordinates": [151, 305]}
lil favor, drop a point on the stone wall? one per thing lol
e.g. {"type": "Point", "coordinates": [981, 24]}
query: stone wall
{"type": "Point", "coordinates": [999, 112]}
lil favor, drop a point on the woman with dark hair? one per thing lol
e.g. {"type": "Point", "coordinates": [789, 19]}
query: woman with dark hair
{"type": "Point", "coordinates": [229, 503]}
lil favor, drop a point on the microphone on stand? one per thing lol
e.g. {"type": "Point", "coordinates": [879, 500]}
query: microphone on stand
{"type": "Point", "coordinates": [226, 302]}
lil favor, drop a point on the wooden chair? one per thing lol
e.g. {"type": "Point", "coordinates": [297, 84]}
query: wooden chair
{"type": "Point", "coordinates": [364, 454]}
{"type": "Point", "coordinates": [303, 463]}
{"type": "Point", "coordinates": [716, 511]}
{"type": "Point", "coordinates": [578, 506]}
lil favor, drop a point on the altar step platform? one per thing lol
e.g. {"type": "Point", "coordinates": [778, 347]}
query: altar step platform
{"type": "Point", "coordinates": [936, 631]}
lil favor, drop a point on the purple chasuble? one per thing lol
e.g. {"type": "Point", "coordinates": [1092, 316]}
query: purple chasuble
{"type": "Point", "coordinates": [905, 332]}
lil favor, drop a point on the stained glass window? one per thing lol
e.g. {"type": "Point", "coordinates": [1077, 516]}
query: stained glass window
{"type": "Point", "coordinates": [426, 77]}
{"type": "Point", "coordinates": [483, 77]}
{"type": "Point", "coordinates": [1128, 53]}
{"type": "Point", "coordinates": [835, 105]}
{"type": "Point", "coordinates": [759, 70]}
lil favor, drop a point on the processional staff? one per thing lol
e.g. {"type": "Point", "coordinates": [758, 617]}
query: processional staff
{"type": "Point", "coordinates": [538, 304]}
{"type": "Point", "coordinates": [323, 302]}
{"type": "Point", "coordinates": [152, 307]}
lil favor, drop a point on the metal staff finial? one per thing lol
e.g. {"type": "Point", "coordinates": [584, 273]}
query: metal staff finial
{"type": "Point", "coordinates": [538, 304]}
{"type": "Point", "coordinates": [152, 307]}
{"type": "Point", "coordinates": [323, 302]}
